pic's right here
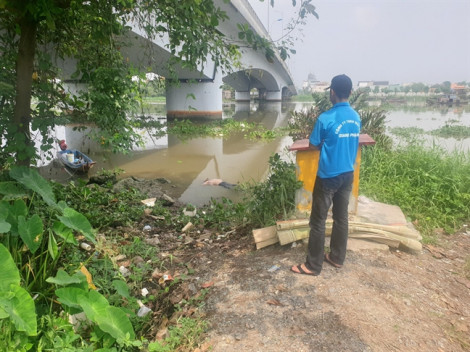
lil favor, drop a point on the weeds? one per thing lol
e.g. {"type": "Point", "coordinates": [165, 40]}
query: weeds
{"type": "Point", "coordinates": [274, 199]}
{"type": "Point", "coordinates": [454, 131]}
{"type": "Point", "coordinates": [188, 333]}
{"type": "Point", "coordinates": [408, 133]}
{"type": "Point", "coordinates": [185, 129]}
{"type": "Point", "coordinates": [429, 185]}
{"type": "Point", "coordinates": [222, 214]}
{"type": "Point", "coordinates": [101, 205]}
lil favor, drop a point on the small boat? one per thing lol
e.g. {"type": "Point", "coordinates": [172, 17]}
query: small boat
{"type": "Point", "coordinates": [74, 159]}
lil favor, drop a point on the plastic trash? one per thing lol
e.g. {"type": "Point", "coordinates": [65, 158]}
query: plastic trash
{"type": "Point", "coordinates": [187, 227]}
{"type": "Point", "coordinates": [189, 212]}
{"type": "Point", "coordinates": [143, 310]}
{"type": "Point", "coordinates": [274, 268]}
{"type": "Point", "coordinates": [124, 271]}
{"type": "Point", "coordinates": [147, 228]}
{"type": "Point", "coordinates": [85, 246]}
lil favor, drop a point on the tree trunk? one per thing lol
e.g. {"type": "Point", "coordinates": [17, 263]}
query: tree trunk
{"type": "Point", "coordinates": [24, 81]}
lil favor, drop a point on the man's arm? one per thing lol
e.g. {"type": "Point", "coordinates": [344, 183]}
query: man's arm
{"type": "Point", "coordinates": [313, 147]}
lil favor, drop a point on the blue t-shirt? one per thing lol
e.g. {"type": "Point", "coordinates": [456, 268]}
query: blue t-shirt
{"type": "Point", "coordinates": [336, 134]}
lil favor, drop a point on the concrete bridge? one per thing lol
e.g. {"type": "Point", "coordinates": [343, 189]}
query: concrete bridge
{"type": "Point", "coordinates": [200, 93]}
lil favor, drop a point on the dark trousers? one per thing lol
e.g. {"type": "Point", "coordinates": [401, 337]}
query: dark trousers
{"type": "Point", "coordinates": [327, 191]}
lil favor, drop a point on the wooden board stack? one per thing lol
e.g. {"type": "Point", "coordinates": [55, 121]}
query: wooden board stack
{"type": "Point", "coordinates": [395, 236]}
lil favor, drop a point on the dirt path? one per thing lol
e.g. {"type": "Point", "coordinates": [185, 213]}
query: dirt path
{"type": "Point", "coordinates": [379, 301]}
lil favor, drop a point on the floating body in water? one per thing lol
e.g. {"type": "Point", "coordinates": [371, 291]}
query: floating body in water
{"type": "Point", "coordinates": [218, 182]}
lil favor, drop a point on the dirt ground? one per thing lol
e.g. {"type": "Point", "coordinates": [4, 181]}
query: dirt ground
{"type": "Point", "coordinates": [381, 300]}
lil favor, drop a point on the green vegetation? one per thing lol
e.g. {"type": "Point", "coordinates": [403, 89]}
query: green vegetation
{"type": "Point", "coordinates": [449, 130]}
{"type": "Point", "coordinates": [43, 225]}
{"type": "Point", "coordinates": [95, 35]}
{"type": "Point", "coordinates": [48, 275]}
{"type": "Point", "coordinates": [274, 199]}
{"type": "Point", "coordinates": [407, 133]}
{"type": "Point", "coordinates": [373, 118]}
{"type": "Point", "coordinates": [150, 99]}
{"type": "Point", "coordinates": [188, 333]}
{"type": "Point", "coordinates": [431, 186]}
{"type": "Point", "coordinates": [454, 131]}
{"type": "Point", "coordinates": [92, 33]}
{"type": "Point", "coordinates": [302, 98]}
{"type": "Point", "coordinates": [185, 129]}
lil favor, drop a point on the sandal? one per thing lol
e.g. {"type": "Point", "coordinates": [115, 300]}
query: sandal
{"type": "Point", "coordinates": [300, 270]}
{"type": "Point", "coordinates": [329, 261]}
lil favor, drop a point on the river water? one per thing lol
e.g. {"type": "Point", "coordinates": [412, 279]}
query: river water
{"type": "Point", "coordinates": [233, 159]}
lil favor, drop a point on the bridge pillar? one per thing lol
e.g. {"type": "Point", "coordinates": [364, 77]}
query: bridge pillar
{"type": "Point", "coordinates": [194, 98]}
{"type": "Point", "coordinates": [242, 95]}
{"type": "Point", "coordinates": [273, 96]}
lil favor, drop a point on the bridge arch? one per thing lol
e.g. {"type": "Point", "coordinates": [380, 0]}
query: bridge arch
{"type": "Point", "coordinates": [244, 81]}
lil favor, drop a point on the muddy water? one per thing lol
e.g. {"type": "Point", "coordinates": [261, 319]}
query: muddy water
{"type": "Point", "coordinates": [188, 164]}
{"type": "Point", "coordinates": [429, 119]}
{"type": "Point", "coordinates": [234, 159]}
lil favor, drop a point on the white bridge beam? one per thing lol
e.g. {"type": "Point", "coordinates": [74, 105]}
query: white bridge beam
{"type": "Point", "coordinates": [199, 93]}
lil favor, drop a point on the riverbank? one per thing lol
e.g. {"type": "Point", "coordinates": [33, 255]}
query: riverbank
{"type": "Point", "coordinates": [382, 300]}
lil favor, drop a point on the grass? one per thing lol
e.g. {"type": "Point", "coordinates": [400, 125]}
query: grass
{"type": "Point", "coordinates": [187, 333]}
{"type": "Point", "coordinates": [431, 186]}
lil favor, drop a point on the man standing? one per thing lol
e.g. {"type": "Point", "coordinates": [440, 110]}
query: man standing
{"type": "Point", "coordinates": [336, 135]}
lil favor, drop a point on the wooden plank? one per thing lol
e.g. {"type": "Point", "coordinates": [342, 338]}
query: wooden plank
{"type": "Point", "coordinates": [292, 235]}
{"type": "Point", "coordinates": [357, 226]}
{"type": "Point", "coordinates": [391, 239]}
{"type": "Point", "coordinates": [266, 243]}
{"type": "Point", "coordinates": [265, 233]}
{"type": "Point", "coordinates": [291, 224]}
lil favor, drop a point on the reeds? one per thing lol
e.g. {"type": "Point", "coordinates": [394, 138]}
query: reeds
{"type": "Point", "coordinates": [431, 186]}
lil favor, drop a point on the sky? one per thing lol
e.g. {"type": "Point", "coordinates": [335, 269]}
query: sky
{"type": "Point", "coordinates": [399, 41]}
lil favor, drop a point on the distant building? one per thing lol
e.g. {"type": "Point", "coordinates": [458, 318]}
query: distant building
{"type": "Point", "coordinates": [313, 85]}
{"type": "Point", "coordinates": [364, 84]}
{"type": "Point", "coordinates": [381, 83]}
{"type": "Point", "coordinates": [319, 87]}
{"type": "Point", "coordinates": [373, 84]}
{"type": "Point", "coordinates": [459, 89]}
